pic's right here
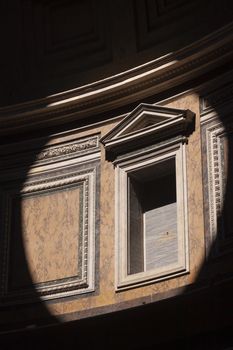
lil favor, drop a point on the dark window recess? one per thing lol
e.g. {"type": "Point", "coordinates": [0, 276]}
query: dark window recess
{"type": "Point", "coordinates": [152, 240]}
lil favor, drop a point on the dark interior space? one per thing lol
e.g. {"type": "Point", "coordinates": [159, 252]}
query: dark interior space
{"type": "Point", "coordinates": [51, 46]}
{"type": "Point", "coordinates": [152, 199]}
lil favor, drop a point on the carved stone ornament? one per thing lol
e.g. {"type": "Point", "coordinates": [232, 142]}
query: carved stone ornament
{"type": "Point", "coordinates": [49, 222]}
{"type": "Point", "coordinates": [215, 134]}
{"type": "Point", "coordinates": [145, 125]}
{"type": "Point", "coordinates": [69, 149]}
{"type": "Point", "coordinates": [141, 146]}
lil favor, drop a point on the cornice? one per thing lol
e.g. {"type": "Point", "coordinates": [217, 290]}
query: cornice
{"type": "Point", "coordinates": [140, 82]}
{"type": "Point", "coordinates": [129, 134]}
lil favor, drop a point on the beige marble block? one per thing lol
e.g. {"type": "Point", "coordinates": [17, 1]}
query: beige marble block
{"type": "Point", "coordinates": [50, 225]}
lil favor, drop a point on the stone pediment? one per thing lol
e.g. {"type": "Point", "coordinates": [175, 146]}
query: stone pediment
{"type": "Point", "coordinates": [147, 124]}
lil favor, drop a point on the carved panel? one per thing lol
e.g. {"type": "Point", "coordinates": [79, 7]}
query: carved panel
{"type": "Point", "coordinates": [48, 223]}
{"type": "Point", "coordinates": [51, 225]}
{"type": "Point", "coordinates": [217, 131]}
{"type": "Point", "coordinates": [156, 20]}
{"type": "Point", "coordinates": [83, 148]}
{"type": "Point", "coordinates": [79, 147]}
{"type": "Point", "coordinates": [61, 37]}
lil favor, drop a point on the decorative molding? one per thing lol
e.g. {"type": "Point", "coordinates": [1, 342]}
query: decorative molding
{"type": "Point", "coordinates": [137, 83]}
{"type": "Point", "coordinates": [145, 125]}
{"type": "Point", "coordinates": [28, 152]}
{"type": "Point", "coordinates": [216, 125]}
{"type": "Point", "coordinates": [147, 137]}
{"type": "Point", "coordinates": [84, 281]}
{"type": "Point", "coordinates": [214, 131]}
{"type": "Point", "coordinates": [123, 169]}
{"type": "Point", "coordinates": [67, 164]}
{"type": "Point", "coordinates": [79, 147]}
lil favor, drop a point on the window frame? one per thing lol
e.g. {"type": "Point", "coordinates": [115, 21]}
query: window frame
{"type": "Point", "coordinates": [146, 135]}
{"type": "Point", "coordinates": [123, 168]}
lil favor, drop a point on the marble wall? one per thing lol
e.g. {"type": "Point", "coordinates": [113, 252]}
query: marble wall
{"type": "Point", "coordinates": [50, 226]}
{"type": "Point", "coordinates": [50, 223]}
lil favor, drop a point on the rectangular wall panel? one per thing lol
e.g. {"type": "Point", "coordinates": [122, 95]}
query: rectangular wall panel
{"type": "Point", "coordinates": [49, 222]}
{"type": "Point", "coordinates": [217, 147]}
{"type": "Point", "coordinates": [50, 234]}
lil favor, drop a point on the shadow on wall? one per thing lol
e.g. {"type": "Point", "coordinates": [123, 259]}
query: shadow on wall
{"type": "Point", "coordinates": [200, 318]}
{"type": "Point", "coordinates": [18, 278]}
{"type": "Point", "coordinates": [57, 46]}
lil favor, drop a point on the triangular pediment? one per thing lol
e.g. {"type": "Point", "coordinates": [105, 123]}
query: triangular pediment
{"type": "Point", "coordinates": [141, 117]}
{"type": "Point", "coordinates": [143, 121]}
{"type": "Point", "coordinates": [146, 121]}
